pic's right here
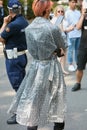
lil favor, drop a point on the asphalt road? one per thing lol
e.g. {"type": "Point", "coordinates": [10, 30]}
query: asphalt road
{"type": "Point", "coordinates": [76, 115]}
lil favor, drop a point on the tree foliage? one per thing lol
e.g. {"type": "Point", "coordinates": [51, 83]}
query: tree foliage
{"type": "Point", "coordinates": [29, 8]}
{"type": "Point", "coordinates": [29, 14]}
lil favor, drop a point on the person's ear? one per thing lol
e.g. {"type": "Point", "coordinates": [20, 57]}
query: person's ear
{"type": "Point", "coordinates": [47, 11]}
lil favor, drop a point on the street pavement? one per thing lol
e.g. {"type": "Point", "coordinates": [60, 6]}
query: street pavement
{"type": "Point", "coordinates": [76, 115]}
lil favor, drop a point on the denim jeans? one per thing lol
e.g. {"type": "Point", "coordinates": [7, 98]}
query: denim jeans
{"type": "Point", "coordinates": [73, 49]}
{"type": "Point", "coordinates": [16, 70]}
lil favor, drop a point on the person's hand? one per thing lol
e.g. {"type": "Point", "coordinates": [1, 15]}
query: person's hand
{"type": "Point", "coordinates": [59, 52]}
{"type": "Point", "coordinates": [84, 12]}
{"type": "Point", "coordinates": [62, 51]}
{"type": "Point", "coordinates": [7, 19]}
{"type": "Point", "coordinates": [71, 27]}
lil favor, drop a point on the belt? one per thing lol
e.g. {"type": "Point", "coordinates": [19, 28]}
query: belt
{"type": "Point", "coordinates": [22, 52]}
{"type": "Point", "coordinates": [13, 53]}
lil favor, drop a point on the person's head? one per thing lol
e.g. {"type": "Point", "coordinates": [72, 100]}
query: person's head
{"type": "Point", "coordinates": [1, 3]}
{"type": "Point", "coordinates": [14, 7]}
{"type": "Point", "coordinates": [42, 8]}
{"type": "Point", "coordinates": [72, 4]}
{"type": "Point", "coordinates": [59, 10]}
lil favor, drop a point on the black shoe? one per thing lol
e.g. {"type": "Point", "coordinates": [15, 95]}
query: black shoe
{"type": "Point", "coordinates": [32, 128]}
{"type": "Point", "coordinates": [59, 126]}
{"type": "Point", "coordinates": [76, 87]}
{"type": "Point", "coordinates": [12, 120]}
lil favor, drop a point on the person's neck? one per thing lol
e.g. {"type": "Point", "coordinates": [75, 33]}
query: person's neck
{"type": "Point", "coordinates": [46, 16]}
{"type": "Point", "coordinates": [72, 9]}
{"type": "Point", "coordinates": [13, 15]}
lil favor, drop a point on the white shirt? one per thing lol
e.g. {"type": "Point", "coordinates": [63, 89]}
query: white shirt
{"type": "Point", "coordinates": [72, 17]}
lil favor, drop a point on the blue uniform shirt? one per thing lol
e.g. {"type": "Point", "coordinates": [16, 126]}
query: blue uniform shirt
{"type": "Point", "coordinates": [14, 34]}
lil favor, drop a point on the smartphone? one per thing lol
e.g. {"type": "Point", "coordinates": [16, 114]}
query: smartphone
{"type": "Point", "coordinates": [59, 20]}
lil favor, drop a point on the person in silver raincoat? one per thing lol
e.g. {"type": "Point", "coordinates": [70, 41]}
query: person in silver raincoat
{"type": "Point", "coordinates": [41, 96]}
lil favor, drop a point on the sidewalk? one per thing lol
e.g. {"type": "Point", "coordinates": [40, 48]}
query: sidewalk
{"type": "Point", "coordinates": [76, 116]}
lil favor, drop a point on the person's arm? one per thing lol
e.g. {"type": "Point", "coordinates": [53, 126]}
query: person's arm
{"type": "Point", "coordinates": [6, 21]}
{"type": "Point", "coordinates": [66, 27]}
{"type": "Point", "coordinates": [59, 41]}
{"type": "Point", "coordinates": [80, 22]}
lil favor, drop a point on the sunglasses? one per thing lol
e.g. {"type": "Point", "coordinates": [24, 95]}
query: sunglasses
{"type": "Point", "coordinates": [60, 11]}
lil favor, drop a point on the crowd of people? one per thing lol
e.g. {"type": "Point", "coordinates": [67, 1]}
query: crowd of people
{"type": "Point", "coordinates": [69, 21]}
{"type": "Point", "coordinates": [57, 47]}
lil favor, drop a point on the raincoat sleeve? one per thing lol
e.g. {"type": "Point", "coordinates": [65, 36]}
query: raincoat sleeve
{"type": "Point", "coordinates": [58, 39]}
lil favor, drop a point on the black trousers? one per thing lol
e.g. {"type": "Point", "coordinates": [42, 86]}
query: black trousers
{"type": "Point", "coordinates": [57, 126]}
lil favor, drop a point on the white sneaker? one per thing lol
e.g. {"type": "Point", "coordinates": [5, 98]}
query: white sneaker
{"type": "Point", "coordinates": [75, 66]}
{"type": "Point", "coordinates": [71, 68]}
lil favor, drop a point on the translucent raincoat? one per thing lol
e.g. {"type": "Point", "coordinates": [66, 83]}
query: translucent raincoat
{"type": "Point", "coordinates": [41, 96]}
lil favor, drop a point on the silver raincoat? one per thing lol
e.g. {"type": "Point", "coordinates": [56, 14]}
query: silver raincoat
{"type": "Point", "coordinates": [41, 96]}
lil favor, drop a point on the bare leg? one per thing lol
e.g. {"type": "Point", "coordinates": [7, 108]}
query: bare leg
{"type": "Point", "coordinates": [79, 75]}
{"type": "Point", "coordinates": [63, 63]}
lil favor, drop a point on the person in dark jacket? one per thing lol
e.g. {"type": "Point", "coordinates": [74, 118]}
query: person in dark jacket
{"type": "Point", "coordinates": [15, 47]}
